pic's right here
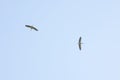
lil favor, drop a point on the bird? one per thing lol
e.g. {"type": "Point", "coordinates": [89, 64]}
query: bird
{"type": "Point", "coordinates": [79, 43]}
{"type": "Point", "coordinates": [32, 27]}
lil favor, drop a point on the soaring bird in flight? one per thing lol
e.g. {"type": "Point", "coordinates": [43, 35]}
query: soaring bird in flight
{"type": "Point", "coordinates": [31, 27]}
{"type": "Point", "coordinates": [79, 43]}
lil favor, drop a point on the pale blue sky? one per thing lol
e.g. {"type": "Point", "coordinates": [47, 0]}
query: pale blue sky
{"type": "Point", "coordinates": [52, 53]}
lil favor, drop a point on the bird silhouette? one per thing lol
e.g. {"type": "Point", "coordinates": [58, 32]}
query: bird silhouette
{"type": "Point", "coordinates": [79, 43]}
{"type": "Point", "coordinates": [31, 27]}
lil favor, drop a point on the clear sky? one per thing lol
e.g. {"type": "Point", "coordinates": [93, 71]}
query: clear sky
{"type": "Point", "coordinates": [52, 53]}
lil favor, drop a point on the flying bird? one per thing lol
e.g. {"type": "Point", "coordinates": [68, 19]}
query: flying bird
{"type": "Point", "coordinates": [79, 43]}
{"type": "Point", "coordinates": [31, 27]}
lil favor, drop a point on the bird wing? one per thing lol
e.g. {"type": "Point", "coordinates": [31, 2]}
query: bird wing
{"type": "Point", "coordinates": [35, 28]}
{"type": "Point", "coordinates": [28, 26]}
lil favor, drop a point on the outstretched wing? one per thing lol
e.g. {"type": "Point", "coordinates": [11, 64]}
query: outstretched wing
{"type": "Point", "coordinates": [79, 43]}
{"type": "Point", "coordinates": [28, 26]}
{"type": "Point", "coordinates": [32, 27]}
{"type": "Point", "coordinates": [35, 28]}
